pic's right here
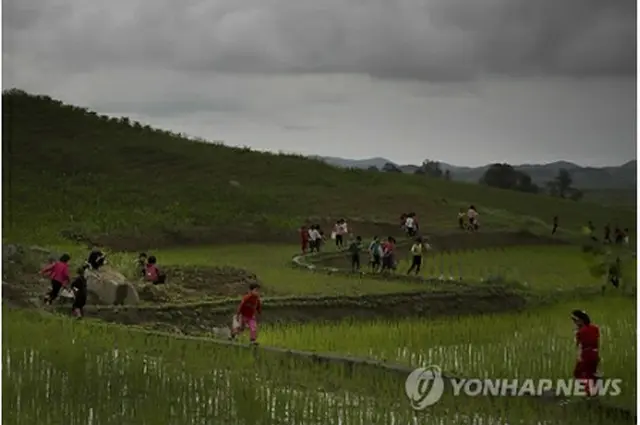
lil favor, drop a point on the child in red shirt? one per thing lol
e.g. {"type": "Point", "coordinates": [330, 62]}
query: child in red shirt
{"type": "Point", "coordinates": [59, 274]}
{"type": "Point", "coordinates": [246, 314]}
{"type": "Point", "coordinates": [588, 342]}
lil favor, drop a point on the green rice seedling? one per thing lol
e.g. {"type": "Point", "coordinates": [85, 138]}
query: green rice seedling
{"type": "Point", "coordinates": [56, 370]}
{"type": "Point", "coordinates": [533, 344]}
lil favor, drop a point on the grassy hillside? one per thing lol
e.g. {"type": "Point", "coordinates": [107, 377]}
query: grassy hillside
{"type": "Point", "coordinates": [67, 170]}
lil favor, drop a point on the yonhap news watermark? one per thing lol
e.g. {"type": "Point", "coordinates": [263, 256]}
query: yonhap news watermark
{"type": "Point", "coordinates": [426, 386]}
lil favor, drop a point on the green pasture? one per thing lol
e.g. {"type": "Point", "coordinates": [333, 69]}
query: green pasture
{"type": "Point", "coordinates": [89, 372]}
{"type": "Point", "coordinates": [537, 343]}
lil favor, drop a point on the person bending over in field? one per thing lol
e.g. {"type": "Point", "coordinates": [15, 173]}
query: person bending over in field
{"type": "Point", "coordinates": [354, 250]}
{"type": "Point", "coordinates": [96, 259]}
{"type": "Point", "coordinates": [416, 256]}
{"type": "Point", "coordinates": [59, 275]}
{"type": "Point", "coordinates": [246, 315]}
{"type": "Point", "coordinates": [555, 225]}
{"type": "Point", "coordinates": [152, 272]}
{"type": "Point", "coordinates": [588, 343]}
{"type": "Point", "coordinates": [79, 287]}
{"type": "Point", "coordinates": [375, 254]}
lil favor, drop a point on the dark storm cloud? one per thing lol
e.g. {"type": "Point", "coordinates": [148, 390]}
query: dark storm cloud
{"type": "Point", "coordinates": [435, 40]}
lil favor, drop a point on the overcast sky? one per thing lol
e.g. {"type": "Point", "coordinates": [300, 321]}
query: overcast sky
{"type": "Point", "coordinates": [463, 81]}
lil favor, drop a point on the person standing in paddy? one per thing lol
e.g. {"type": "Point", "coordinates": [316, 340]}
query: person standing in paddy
{"type": "Point", "coordinates": [59, 274]}
{"type": "Point", "coordinates": [416, 253]}
{"type": "Point", "coordinates": [354, 249]}
{"type": "Point", "coordinates": [588, 342]}
{"type": "Point", "coordinates": [249, 307]}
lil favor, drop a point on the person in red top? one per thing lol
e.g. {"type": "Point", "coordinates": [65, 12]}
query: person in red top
{"type": "Point", "coordinates": [152, 273]}
{"type": "Point", "coordinates": [246, 314]}
{"type": "Point", "coordinates": [588, 342]}
{"type": "Point", "coordinates": [388, 257]}
{"type": "Point", "coordinates": [304, 239]}
{"type": "Point", "coordinates": [59, 274]}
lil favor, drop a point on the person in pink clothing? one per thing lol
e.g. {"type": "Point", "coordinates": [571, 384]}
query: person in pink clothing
{"type": "Point", "coordinates": [59, 274]}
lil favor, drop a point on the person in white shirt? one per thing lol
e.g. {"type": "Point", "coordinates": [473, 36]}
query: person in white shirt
{"type": "Point", "coordinates": [411, 225]}
{"type": "Point", "coordinates": [315, 238]}
{"type": "Point", "coordinates": [340, 230]}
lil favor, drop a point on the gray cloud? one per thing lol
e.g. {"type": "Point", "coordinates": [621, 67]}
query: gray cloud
{"type": "Point", "coordinates": [435, 40]}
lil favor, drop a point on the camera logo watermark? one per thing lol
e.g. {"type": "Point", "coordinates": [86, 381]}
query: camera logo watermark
{"type": "Point", "coordinates": [426, 386]}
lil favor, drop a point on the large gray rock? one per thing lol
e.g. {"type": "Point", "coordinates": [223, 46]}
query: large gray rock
{"type": "Point", "coordinates": [108, 286]}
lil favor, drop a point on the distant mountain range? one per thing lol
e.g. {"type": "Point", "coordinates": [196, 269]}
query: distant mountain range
{"type": "Point", "coordinates": [620, 177]}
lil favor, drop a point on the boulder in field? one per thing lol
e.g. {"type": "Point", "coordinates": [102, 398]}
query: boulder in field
{"type": "Point", "coordinates": [107, 286]}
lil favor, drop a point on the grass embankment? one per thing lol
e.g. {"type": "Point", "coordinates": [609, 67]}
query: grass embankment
{"type": "Point", "coordinates": [106, 374]}
{"type": "Point", "coordinates": [68, 169]}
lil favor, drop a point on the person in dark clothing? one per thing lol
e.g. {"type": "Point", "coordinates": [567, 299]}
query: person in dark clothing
{"type": "Point", "coordinates": [141, 264]}
{"type": "Point", "coordinates": [615, 272]}
{"type": "Point", "coordinates": [607, 234]}
{"type": "Point", "coordinates": [354, 250]}
{"type": "Point", "coordinates": [79, 286]}
{"type": "Point", "coordinates": [555, 225]}
{"type": "Point", "coordinates": [96, 259]}
{"type": "Point", "coordinates": [618, 235]}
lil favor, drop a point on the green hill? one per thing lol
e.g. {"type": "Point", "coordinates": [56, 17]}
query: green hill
{"type": "Point", "coordinates": [69, 171]}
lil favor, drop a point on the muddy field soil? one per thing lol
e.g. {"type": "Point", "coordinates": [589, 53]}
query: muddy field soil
{"type": "Point", "coordinates": [198, 318]}
{"type": "Point", "coordinates": [22, 286]}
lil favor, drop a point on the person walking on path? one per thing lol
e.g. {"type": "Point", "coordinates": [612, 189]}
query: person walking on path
{"type": "Point", "coordinates": [79, 287]}
{"type": "Point", "coordinates": [249, 308]}
{"type": "Point", "coordinates": [59, 274]}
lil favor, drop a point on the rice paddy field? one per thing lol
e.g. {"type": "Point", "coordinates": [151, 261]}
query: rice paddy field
{"type": "Point", "coordinates": [540, 268]}
{"type": "Point", "coordinates": [537, 343]}
{"type": "Point", "coordinates": [92, 373]}
{"type": "Point", "coordinates": [61, 371]}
